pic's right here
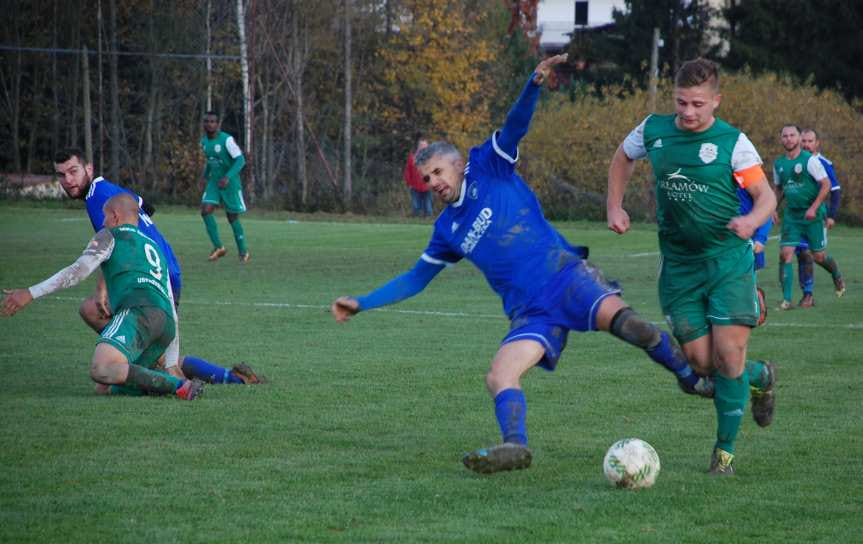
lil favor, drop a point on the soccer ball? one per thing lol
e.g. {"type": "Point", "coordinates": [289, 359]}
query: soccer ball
{"type": "Point", "coordinates": [631, 463]}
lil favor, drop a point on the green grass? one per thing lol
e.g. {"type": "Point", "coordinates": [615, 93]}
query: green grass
{"type": "Point", "coordinates": [359, 435]}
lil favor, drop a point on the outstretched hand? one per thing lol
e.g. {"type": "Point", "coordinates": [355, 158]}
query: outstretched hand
{"type": "Point", "coordinates": [15, 300]}
{"type": "Point", "coordinates": [544, 68]}
{"type": "Point", "coordinates": [344, 308]}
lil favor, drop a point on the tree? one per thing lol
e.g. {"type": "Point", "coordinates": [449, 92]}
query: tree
{"type": "Point", "coordinates": [799, 38]}
{"type": "Point", "coordinates": [433, 73]}
{"type": "Point", "coordinates": [684, 25]}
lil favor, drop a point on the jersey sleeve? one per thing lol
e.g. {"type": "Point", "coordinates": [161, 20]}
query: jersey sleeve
{"type": "Point", "coordinates": [816, 169]}
{"type": "Point", "coordinates": [633, 144]}
{"type": "Point", "coordinates": [487, 160]}
{"type": "Point", "coordinates": [232, 148]}
{"type": "Point", "coordinates": [98, 250]}
{"type": "Point", "coordinates": [438, 251]}
{"type": "Point", "coordinates": [831, 173]}
{"type": "Point", "coordinates": [745, 162]}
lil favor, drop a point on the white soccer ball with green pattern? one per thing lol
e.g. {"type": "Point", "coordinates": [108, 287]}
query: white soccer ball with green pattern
{"type": "Point", "coordinates": [631, 463]}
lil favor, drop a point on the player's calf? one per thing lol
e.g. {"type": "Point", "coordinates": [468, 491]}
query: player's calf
{"type": "Point", "coordinates": [635, 330]}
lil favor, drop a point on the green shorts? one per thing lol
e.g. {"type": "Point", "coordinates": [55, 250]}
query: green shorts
{"type": "Point", "coordinates": [718, 291]}
{"type": "Point", "coordinates": [231, 197]}
{"type": "Point", "coordinates": [141, 333]}
{"type": "Point", "coordinates": [796, 230]}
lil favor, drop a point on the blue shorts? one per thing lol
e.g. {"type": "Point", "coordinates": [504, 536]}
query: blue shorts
{"type": "Point", "coordinates": [568, 303]}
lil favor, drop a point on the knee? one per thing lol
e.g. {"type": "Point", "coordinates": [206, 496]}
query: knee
{"type": "Point", "coordinates": [89, 312]}
{"type": "Point", "coordinates": [101, 372]}
{"type": "Point", "coordinates": [632, 329]}
{"type": "Point", "coordinates": [819, 257]}
{"type": "Point", "coordinates": [730, 360]}
{"type": "Point", "coordinates": [499, 379]}
{"type": "Point", "coordinates": [232, 217]}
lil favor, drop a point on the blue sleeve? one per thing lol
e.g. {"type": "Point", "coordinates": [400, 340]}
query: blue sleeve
{"type": "Point", "coordinates": [518, 119]}
{"type": "Point", "coordinates": [833, 209]}
{"type": "Point", "coordinates": [762, 232]}
{"type": "Point", "coordinates": [399, 288]}
{"type": "Point", "coordinates": [831, 173]}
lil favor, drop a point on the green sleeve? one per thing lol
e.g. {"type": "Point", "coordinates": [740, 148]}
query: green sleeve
{"type": "Point", "coordinates": [238, 165]}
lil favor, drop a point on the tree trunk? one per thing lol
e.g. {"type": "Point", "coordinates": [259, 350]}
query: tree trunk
{"type": "Point", "coordinates": [88, 110]}
{"type": "Point", "coordinates": [297, 60]}
{"type": "Point", "coordinates": [348, 183]}
{"type": "Point", "coordinates": [247, 96]}
{"type": "Point", "coordinates": [55, 93]}
{"type": "Point", "coordinates": [115, 94]}
{"type": "Point", "coordinates": [101, 94]}
{"type": "Point", "coordinates": [73, 84]}
{"type": "Point", "coordinates": [209, 62]}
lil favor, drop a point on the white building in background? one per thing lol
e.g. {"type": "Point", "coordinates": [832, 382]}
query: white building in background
{"type": "Point", "coordinates": [556, 20]}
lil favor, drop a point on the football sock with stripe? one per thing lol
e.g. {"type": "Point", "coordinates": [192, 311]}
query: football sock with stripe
{"type": "Point", "coordinates": [510, 408]}
{"type": "Point", "coordinates": [193, 367]}
{"type": "Point", "coordinates": [239, 236]}
{"type": "Point", "coordinates": [152, 382]}
{"type": "Point", "coordinates": [730, 402]}
{"type": "Point", "coordinates": [829, 264]}
{"type": "Point", "coordinates": [212, 230]}
{"type": "Point", "coordinates": [126, 390]}
{"type": "Point", "coordinates": [757, 372]}
{"type": "Point", "coordinates": [805, 271]}
{"type": "Point", "coordinates": [633, 329]}
{"type": "Point", "coordinates": [787, 271]}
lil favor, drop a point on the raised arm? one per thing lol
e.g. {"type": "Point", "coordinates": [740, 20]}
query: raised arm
{"type": "Point", "coordinates": [98, 250]}
{"type": "Point", "coordinates": [518, 119]}
{"type": "Point", "coordinates": [399, 288]}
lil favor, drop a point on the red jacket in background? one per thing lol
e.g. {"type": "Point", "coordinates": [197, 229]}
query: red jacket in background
{"type": "Point", "coordinates": [413, 177]}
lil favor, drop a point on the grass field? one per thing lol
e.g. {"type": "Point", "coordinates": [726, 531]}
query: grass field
{"type": "Point", "coordinates": [359, 435]}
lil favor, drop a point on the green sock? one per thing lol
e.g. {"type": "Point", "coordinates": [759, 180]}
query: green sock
{"type": "Point", "coordinates": [152, 381]}
{"type": "Point", "coordinates": [239, 236]}
{"type": "Point", "coordinates": [212, 230]}
{"type": "Point", "coordinates": [829, 264]}
{"type": "Point", "coordinates": [125, 390]}
{"type": "Point", "coordinates": [757, 373]}
{"type": "Point", "coordinates": [730, 402]}
{"type": "Point", "coordinates": [787, 280]}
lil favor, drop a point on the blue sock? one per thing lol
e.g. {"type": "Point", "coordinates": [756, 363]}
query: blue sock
{"type": "Point", "coordinates": [511, 411]}
{"type": "Point", "coordinates": [207, 371]}
{"type": "Point", "coordinates": [669, 356]}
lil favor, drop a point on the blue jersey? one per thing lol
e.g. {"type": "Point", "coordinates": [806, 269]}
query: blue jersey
{"type": "Point", "coordinates": [831, 173]}
{"type": "Point", "coordinates": [746, 203]}
{"type": "Point", "coordinates": [499, 226]}
{"type": "Point", "coordinates": [100, 191]}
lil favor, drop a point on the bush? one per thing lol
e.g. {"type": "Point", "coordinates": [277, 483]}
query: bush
{"type": "Point", "coordinates": [570, 145]}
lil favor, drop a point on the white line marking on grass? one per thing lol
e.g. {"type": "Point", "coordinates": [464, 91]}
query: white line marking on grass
{"type": "Point", "coordinates": [448, 314]}
{"type": "Point", "coordinates": [647, 254]}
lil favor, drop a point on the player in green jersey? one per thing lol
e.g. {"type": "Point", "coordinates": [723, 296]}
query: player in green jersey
{"type": "Point", "coordinates": [707, 279]}
{"type": "Point", "coordinates": [141, 303]}
{"type": "Point", "coordinates": [224, 161]}
{"type": "Point", "coordinates": [802, 181]}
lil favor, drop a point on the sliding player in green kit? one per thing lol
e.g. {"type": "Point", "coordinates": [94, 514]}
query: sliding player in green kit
{"type": "Point", "coordinates": [707, 280]}
{"type": "Point", "coordinates": [224, 161]}
{"type": "Point", "coordinates": [141, 303]}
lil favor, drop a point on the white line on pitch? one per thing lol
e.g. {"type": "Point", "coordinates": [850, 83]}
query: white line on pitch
{"type": "Point", "coordinates": [450, 314]}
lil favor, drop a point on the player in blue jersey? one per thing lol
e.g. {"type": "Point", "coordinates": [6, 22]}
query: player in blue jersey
{"type": "Point", "coordinates": [809, 141]}
{"type": "Point", "coordinates": [759, 244]}
{"type": "Point", "coordinates": [494, 220]}
{"type": "Point", "coordinates": [76, 178]}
